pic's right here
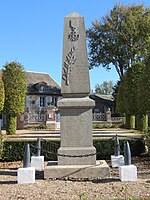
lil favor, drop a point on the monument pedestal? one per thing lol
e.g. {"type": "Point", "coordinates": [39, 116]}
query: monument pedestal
{"type": "Point", "coordinates": [76, 132]}
{"type": "Point", "coordinates": [76, 156]}
{"type": "Point", "coordinates": [100, 170]}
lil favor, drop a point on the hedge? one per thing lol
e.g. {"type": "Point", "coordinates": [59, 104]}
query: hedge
{"type": "Point", "coordinates": [14, 150]}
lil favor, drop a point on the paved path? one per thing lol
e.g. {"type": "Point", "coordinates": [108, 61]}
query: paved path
{"type": "Point", "coordinates": [55, 134]}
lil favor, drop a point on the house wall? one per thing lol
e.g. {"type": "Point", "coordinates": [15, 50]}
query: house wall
{"type": "Point", "coordinates": [36, 112]}
{"type": "Point", "coordinates": [101, 106]}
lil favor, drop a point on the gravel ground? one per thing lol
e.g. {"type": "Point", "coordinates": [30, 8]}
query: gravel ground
{"type": "Point", "coordinates": [110, 188]}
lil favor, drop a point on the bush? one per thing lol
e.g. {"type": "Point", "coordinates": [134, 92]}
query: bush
{"type": "Point", "coordinates": [42, 126]}
{"type": "Point", "coordinates": [106, 125]}
{"type": "Point", "coordinates": [14, 150]}
{"type": "Point", "coordinates": [105, 147]}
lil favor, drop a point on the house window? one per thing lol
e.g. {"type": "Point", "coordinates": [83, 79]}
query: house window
{"type": "Point", "coordinates": [42, 101]}
{"type": "Point", "coordinates": [42, 88]}
{"type": "Point", "coordinates": [28, 101]}
{"type": "Point", "coordinates": [54, 101]}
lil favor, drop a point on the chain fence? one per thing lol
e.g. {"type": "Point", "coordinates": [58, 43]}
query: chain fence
{"type": "Point", "coordinates": [49, 145]}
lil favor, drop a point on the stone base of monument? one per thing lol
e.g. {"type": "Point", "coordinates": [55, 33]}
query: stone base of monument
{"type": "Point", "coordinates": [117, 161]}
{"type": "Point", "coordinates": [128, 173]}
{"type": "Point", "coordinates": [80, 158]}
{"type": "Point", "coordinates": [26, 175]}
{"type": "Point", "coordinates": [37, 162]}
{"type": "Point", "coordinates": [100, 170]}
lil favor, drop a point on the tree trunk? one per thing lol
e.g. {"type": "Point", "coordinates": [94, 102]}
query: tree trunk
{"type": "Point", "coordinates": [130, 121]}
{"type": "Point", "coordinates": [11, 122]}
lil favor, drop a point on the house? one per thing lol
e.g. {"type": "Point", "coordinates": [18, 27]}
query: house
{"type": "Point", "coordinates": [42, 96]}
{"type": "Point", "coordinates": [102, 103]}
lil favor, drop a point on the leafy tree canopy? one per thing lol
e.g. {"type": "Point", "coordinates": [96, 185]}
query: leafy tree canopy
{"type": "Point", "coordinates": [119, 39]}
{"type": "Point", "coordinates": [105, 88]}
{"type": "Point", "coordinates": [15, 88]}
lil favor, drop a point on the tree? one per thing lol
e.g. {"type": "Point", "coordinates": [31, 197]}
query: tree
{"type": "Point", "coordinates": [131, 95]}
{"type": "Point", "coordinates": [105, 88]}
{"type": "Point", "coordinates": [124, 101]}
{"type": "Point", "coordinates": [115, 90]}
{"type": "Point", "coordinates": [15, 92]}
{"type": "Point", "coordinates": [1, 93]}
{"type": "Point", "coordinates": [120, 38]}
{"type": "Point", "coordinates": [98, 89]}
{"type": "Point", "coordinates": [121, 96]}
{"type": "Point", "coordinates": [144, 95]}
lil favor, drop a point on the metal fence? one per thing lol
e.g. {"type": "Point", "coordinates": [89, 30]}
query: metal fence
{"type": "Point", "coordinates": [99, 116]}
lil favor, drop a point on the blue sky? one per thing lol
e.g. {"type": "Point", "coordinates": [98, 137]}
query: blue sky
{"type": "Point", "coordinates": [31, 32]}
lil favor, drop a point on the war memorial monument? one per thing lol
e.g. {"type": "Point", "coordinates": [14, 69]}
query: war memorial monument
{"type": "Point", "coordinates": [76, 155]}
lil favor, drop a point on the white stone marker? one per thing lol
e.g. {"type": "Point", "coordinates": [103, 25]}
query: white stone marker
{"type": "Point", "coordinates": [117, 161]}
{"type": "Point", "coordinates": [128, 173]}
{"type": "Point", "coordinates": [37, 162]}
{"type": "Point", "coordinates": [26, 175]}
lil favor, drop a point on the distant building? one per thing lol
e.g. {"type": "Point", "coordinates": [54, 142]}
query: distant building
{"type": "Point", "coordinates": [102, 103]}
{"type": "Point", "coordinates": [41, 101]}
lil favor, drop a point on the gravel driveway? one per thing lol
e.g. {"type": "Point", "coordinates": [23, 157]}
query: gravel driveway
{"type": "Point", "coordinates": [110, 188]}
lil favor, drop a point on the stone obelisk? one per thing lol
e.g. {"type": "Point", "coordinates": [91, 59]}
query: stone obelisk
{"type": "Point", "coordinates": [76, 155]}
{"type": "Point", "coordinates": [75, 107]}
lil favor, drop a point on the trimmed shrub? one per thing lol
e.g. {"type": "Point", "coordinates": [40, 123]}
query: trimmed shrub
{"type": "Point", "coordinates": [142, 122]}
{"type": "Point", "coordinates": [105, 147]}
{"type": "Point", "coordinates": [14, 150]}
{"type": "Point", "coordinates": [11, 124]}
{"type": "Point", "coordinates": [130, 121]}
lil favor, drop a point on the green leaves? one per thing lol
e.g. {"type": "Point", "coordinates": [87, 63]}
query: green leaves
{"type": "Point", "coordinates": [15, 92]}
{"type": "Point", "coordinates": [120, 38]}
{"type": "Point", "coordinates": [133, 96]}
{"type": "Point", "coordinates": [105, 88]}
{"type": "Point", "coordinates": [15, 88]}
{"type": "Point", "coordinates": [129, 89]}
{"type": "Point", "coordinates": [1, 93]}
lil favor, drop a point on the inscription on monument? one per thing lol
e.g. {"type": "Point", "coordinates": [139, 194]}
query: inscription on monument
{"type": "Point", "coordinates": [73, 36]}
{"type": "Point", "coordinates": [69, 62]}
